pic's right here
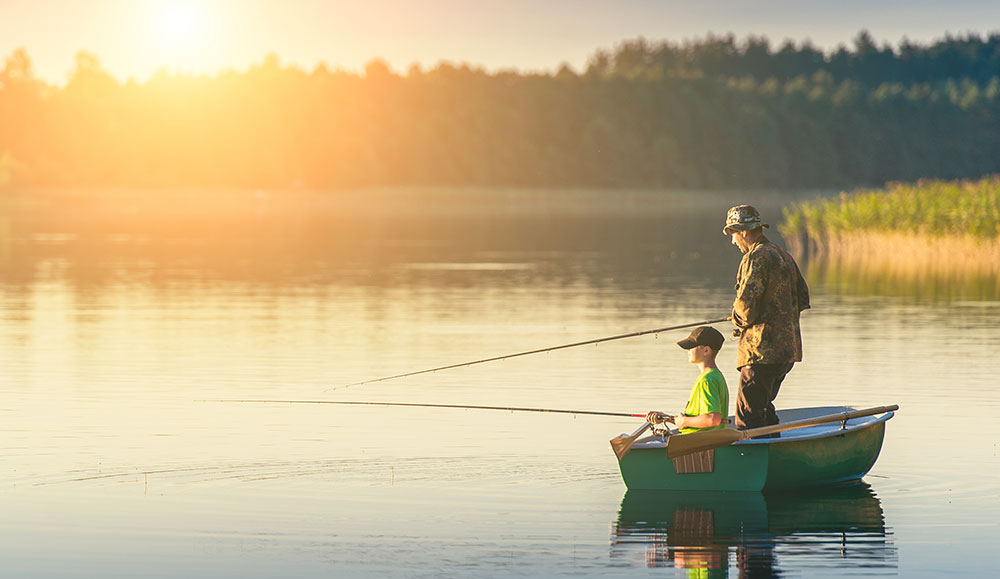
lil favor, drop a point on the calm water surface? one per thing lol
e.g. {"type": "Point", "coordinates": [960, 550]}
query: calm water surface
{"type": "Point", "coordinates": [116, 319]}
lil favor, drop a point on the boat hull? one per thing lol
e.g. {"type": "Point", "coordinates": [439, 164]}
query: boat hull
{"type": "Point", "coordinates": [816, 456]}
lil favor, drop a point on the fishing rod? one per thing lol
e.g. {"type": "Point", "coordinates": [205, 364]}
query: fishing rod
{"type": "Point", "coordinates": [668, 418]}
{"type": "Point", "coordinates": [538, 351]}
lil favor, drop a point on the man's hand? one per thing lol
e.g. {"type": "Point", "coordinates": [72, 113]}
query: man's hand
{"type": "Point", "coordinates": [654, 417]}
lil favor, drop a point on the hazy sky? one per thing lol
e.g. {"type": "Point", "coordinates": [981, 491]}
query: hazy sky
{"type": "Point", "coordinates": [136, 37]}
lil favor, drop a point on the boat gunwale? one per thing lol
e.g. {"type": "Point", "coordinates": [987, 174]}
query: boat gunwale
{"type": "Point", "coordinates": [817, 432]}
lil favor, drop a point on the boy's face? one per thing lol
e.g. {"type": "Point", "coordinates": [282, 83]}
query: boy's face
{"type": "Point", "coordinates": [698, 354]}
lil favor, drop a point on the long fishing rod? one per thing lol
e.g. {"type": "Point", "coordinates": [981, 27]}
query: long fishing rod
{"type": "Point", "coordinates": [538, 351]}
{"type": "Point", "coordinates": [421, 405]}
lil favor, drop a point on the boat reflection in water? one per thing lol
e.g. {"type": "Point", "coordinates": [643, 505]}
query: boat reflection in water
{"type": "Point", "coordinates": [707, 533]}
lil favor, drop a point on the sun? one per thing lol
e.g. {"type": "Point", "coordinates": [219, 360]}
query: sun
{"type": "Point", "coordinates": [178, 31]}
{"type": "Point", "coordinates": [179, 21]}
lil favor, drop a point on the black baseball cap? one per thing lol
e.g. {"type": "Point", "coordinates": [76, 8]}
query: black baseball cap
{"type": "Point", "coordinates": [703, 336]}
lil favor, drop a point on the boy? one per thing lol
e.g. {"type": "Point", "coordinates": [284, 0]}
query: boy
{"type": "Point", "coordinates": [708, 407]}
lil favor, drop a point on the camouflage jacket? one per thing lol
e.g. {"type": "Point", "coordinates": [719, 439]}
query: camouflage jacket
{"type": "Point", "coordinates": [770, 293]}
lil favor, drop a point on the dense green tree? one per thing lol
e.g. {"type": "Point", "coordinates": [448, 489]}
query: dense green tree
{"type": "Point", "coordinates": [714, 113]}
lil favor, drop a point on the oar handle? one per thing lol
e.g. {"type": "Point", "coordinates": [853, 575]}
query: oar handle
{"type": "Point", "coordinates": [804, 423]}
{"type": "Point", "coordinates": [709, 439]}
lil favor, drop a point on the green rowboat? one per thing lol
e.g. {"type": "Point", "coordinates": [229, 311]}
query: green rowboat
{"type": "Point", "coordinates": [829, 445]}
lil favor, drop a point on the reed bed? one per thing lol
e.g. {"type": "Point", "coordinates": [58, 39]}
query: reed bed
{"type": "Point", "coordinates": [927, 228]}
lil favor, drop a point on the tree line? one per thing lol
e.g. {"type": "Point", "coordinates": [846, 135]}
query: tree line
{"type": "Point", "coordinates": [716, 113]}
{"type": "Point", "coordinates": [970, 57]}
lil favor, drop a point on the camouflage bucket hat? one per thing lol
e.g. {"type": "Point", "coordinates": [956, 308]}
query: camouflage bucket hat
{"type": "Point", "coordinates": [742, 218]}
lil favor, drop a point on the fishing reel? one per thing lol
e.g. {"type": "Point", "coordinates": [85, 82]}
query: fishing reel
{"type": "Point", "coordinates": [664, 427]}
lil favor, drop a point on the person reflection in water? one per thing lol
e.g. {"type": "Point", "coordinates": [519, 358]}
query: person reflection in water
{"type": "Point", "coordinates": [708, 406]}
{"type": "Point", "coordinates": [770, 294]}
{"type": "Point", "coordinates": [702, 561]}
{"type": "Point", "coordinates": [694, 544]}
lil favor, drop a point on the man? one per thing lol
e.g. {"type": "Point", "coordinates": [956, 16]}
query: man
{"type": "Point", "coordinates": [770, 294]}
{"type": "Point", "coordinates": [708, 407]}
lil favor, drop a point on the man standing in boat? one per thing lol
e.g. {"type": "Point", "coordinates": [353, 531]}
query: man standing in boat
{"type": "Point", "coordinates": [770, 294]}
{"type": "Point", "coordinates": [708, 406]}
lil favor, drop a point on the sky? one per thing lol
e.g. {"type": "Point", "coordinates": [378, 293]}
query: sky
{"type": "Point", "coordinates": [135, 38]}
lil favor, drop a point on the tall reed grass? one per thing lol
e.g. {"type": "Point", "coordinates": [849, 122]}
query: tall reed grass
{"type": "Point", "coordinates": [940, 228]}
{"type": "Point", "coordinates": [953, 209]}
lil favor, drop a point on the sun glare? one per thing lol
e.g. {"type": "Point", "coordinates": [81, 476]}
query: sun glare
{"type": "Point", "coordinates": [179, 21]}
{"type": "Point", "coordinates": [180, 31]}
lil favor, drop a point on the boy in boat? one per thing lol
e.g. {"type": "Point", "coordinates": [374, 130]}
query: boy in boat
{"type": "Point", "coordinates": [708, 406]}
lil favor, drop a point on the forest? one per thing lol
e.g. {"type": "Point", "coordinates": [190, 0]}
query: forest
{"type": "Point", "coordinates": [713, 113]}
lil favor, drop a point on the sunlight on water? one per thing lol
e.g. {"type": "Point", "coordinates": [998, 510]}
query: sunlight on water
{"type": "Point", "coordinates": [118, 462]}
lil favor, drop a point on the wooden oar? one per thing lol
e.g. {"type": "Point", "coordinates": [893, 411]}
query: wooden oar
{"type": "Point", "coordinates": [538, 351]}
{"type": "Point", "coordinates": [622, 443]}
{"type": "Point", "coordinates": [681, 444]}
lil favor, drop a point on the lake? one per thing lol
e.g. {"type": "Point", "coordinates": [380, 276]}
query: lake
{"type": "Point", "coordinates": [121, 321]}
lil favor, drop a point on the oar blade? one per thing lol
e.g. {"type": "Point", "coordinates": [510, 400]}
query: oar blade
{"type": "Point", "coordinates": [681, 444]}
{"type": "Point", "coordinates": [622, 444]}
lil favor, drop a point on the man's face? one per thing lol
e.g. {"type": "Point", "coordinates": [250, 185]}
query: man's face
{"type": "Point", "coordinates": [740, 241]}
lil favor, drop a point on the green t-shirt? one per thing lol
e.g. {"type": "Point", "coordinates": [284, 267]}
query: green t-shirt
{"type": "Point", "coordinates": [710, 394]}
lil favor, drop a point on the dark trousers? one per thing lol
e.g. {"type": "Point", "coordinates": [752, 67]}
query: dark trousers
{"type": "Point", "coordinates": [759, 384]}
